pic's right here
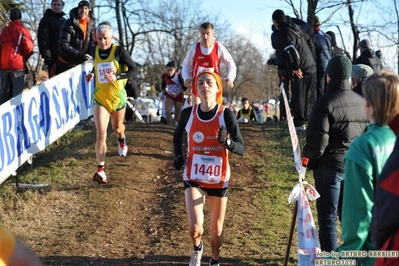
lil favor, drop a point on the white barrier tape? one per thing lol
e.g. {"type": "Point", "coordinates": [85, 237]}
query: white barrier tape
{"type": "Point", "coordinates": [294, 138]}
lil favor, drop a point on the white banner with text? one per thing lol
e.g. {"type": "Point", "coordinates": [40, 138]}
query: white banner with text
{"type": "Point", "coordinates": [33, 120]}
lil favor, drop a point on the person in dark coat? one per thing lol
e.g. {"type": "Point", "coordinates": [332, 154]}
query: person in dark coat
{"type": "Point", "coordinates": [76, 43]}
{"type": "Point", "coordinates": [49, 32]}
{"type": "Point", "coordinates": [368, 57]}
{"type": "Point", "coordinates": [335, 49]}
{"type": "Point", "coordinates": [323, 47]}
{"type": "Point", "coordinates": [336, 119]}
{"type": "Point", "coordinates": [294, 45]}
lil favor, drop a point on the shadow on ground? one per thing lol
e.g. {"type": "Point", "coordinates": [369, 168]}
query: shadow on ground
{"type": "Point", "coordinates": [154, 260]}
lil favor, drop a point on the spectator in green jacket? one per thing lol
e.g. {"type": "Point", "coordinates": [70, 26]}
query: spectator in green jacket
{"type": "Point", "coordinates": [364, 161]}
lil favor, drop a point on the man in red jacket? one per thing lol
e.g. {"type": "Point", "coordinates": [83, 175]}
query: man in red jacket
{"type": "Point", "coordinates": [16, 46]}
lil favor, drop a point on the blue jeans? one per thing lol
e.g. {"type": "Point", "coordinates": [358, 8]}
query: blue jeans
{"type": "Point", "coordinates": [12, 84]}
{"type": "Point", "coordinates": [329, 183]}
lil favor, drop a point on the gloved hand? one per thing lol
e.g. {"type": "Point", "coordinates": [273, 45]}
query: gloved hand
{"type": "Point", "coordinates": [222, 135]}
{"type": "Point", "coordinates": [271, 61]}
{"type": "Point", "coordinates": [178, 162]}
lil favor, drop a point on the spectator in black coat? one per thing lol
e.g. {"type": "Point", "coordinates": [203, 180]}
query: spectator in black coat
{"type": "Point", "coordinates": [368, 57]}
{"type": "Point", "coordinates": [335, 49]}
{"type": "Point", "coordinates": [294, 45]}
{"type": "Point", "coordinates": [337, 118]}
{"type": "Point", "coordinates": [76, 44]}
{"type": "Point", "coordinates": [49, 32]}
{"type": "Point", "coordinates": [323, 47]}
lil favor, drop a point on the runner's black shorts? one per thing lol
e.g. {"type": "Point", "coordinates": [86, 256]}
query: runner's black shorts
{"type": "Point", "coordinates": [213, 192]}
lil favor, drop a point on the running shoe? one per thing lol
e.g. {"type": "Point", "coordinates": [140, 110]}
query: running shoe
{"type": "Point", "coordinates": [122, 147]}
{"type": "Point", "coordinates": [196, 256]}
{"type": "Point", "coordinates": [210, 263]}
{"type": "Point", "coordinates": [100, 177]}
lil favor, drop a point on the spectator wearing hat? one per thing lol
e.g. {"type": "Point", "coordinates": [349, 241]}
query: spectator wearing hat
{"type": "Point", "coordinates": [334, 47]}
{"type": "Point", "coordinates": [359, 73]}
{"type": "Point", "coordinates": [296, 49]}
{"type": "Point", "coordinates": [336, 119]}
{"type": "Point", "coordinates": [323, 47]}
{"type": "Point", "coordinates": [76, 44]}
{"type": "Point", "coordinates": [16, 46]}
{"type": "Point", "coordinates": [368, 57]}
{"type": "Point", "coordinates": [49, 32]}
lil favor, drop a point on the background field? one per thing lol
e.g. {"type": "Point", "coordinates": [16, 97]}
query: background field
{"type": "Point", "coordinates": [139, 217]}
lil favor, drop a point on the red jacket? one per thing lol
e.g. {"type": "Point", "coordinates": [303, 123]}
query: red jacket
{"type": "Point", "coordinates": [16, 46]}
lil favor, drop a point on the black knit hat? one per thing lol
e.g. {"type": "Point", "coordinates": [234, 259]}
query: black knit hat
{"type": "Point", "coordinates": [339, 67]}
{"type": "Point", "coordinates": [84, 3]}
{"type": "Point", "coordinates": [15, 14]}
{"type": "Point", "coordinates": [278, 15]}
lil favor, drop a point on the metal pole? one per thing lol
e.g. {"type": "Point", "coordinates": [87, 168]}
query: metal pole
{"type": "Point", "coordinates": [293, 222]}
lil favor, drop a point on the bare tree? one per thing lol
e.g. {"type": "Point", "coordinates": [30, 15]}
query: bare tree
{"type": "Point", "coordinates": [253, 77]}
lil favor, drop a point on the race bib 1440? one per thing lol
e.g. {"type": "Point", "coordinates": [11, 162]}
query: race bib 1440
{"type": "Point", "coordinates": [206, 169]}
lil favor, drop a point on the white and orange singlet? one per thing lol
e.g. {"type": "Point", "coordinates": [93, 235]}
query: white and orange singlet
{"type": "Point", "coordinates": [207, 159]}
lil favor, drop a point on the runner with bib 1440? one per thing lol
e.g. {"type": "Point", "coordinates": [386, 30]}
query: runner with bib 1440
{"type": "Point", "coordinates": [212, 132]}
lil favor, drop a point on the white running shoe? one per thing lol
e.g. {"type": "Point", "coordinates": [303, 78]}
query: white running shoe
{"type": "Point", "coordinates": [196, 256]}
{"type": "Point", "coordinates": [213, 264]}
{"type": "Point", "coordinates": [122, 147]}
{"type": "Point", "coordinates": [100, 177]}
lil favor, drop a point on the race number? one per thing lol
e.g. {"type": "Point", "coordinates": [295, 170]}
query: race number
{"type": "Point", "coordinates": [105, 68]}
{"type": "Point", "coordinates": [172, 88]}
{"type": "Point", "coordinates": [202, 69]}
{"type": "Point", "coordinates": [206, 169]}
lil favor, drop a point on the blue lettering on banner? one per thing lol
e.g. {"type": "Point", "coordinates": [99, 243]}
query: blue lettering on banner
{"type": "Point", "coordinates": [75, 105]}
{"type": "Point", "coordinates": [45, 119]}
{"type": "Point", "coordinates": [57, 106]}
{"type": "Point", "coordinates": [2, 153]}
{"type": "Point", "coordinates": [86, 91]}
{"type": "Point", "coordinates": [20, 129]}
{"type": "Point", "coordinates": [68, 97]}
{"type": "Point", "coordinates": [9, 141]}
{"type": "Point", "coordinates": [33, 121]}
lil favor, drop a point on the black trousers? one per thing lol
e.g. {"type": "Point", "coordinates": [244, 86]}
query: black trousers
{"type": "Point", "coordinates": [321, 84]}
{"type": "Point", "coordinates": [283, 111]}
{"type": "Point", "coordinates": [300, 101]}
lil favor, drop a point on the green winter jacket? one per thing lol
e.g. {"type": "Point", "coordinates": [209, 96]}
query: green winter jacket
{"type": "Point", "coordinates": [363, 164]}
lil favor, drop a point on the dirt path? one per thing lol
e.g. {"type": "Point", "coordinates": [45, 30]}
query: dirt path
{"type": "Point", "coordinates": [139, 217]}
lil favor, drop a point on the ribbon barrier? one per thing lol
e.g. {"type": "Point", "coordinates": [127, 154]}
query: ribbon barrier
{"type": "Point", "coordinates": [291, 127]}
{"type": "Point", "coordinates": [308, 244]}
{"type": "Point", "coordinates": [33, 120]}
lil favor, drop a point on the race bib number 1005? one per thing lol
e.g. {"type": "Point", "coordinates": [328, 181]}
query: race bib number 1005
{"type": "Point", "coordinates": [206, 169]}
